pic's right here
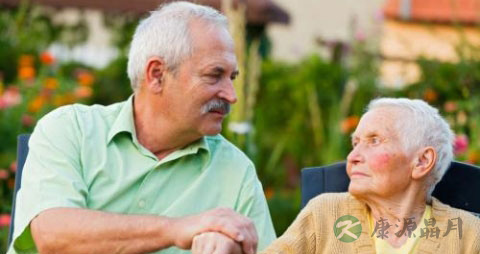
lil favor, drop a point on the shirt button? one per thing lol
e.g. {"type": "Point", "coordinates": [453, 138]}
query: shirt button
{"type": "Point", "coordinates": [141, 203]}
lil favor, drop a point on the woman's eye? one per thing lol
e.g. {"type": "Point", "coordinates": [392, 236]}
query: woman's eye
{"type": "Point", "coordinates": [375, 140]}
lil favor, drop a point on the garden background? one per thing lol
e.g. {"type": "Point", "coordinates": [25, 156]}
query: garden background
{"type": "Point", "coordinates": [290, 114]}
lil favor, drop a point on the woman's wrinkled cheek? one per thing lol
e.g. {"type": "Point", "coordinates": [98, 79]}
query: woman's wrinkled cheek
{"type": "Point", "coordinates": [380, 162]}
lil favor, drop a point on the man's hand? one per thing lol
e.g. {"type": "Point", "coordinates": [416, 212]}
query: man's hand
{"type": "Point", "coordinates": [215, 243]}
{"type": "Point", "coordinates": [223, 220]}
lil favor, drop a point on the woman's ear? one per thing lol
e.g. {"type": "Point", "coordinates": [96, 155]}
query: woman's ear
{"type": "Point", "coordinates": [424, 162]}
{"type": "Point", "coordinates": [155, 72]}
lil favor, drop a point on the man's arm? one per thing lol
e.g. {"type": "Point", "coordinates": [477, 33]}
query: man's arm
{"type": "Point", "coordinates": [76, 230]}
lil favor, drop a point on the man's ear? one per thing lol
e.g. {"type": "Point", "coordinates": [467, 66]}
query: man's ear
{"type": "Point", "coordinates": [424, 162]}
{"type": "Point", "coordinates": [155, 72]}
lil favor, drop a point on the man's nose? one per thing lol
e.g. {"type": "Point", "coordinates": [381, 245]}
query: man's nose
{"type": "Point", "coordinates": [228, 92]}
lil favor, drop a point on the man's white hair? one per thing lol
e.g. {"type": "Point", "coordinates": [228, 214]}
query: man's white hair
{"type": "Point", "coordinates": [422, 126]}
{"type": "Point", "coordinates": [165, 33]}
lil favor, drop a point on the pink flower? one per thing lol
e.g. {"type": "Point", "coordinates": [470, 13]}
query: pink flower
{"type": "Point", "coordinates": [13, 166]}
{"type": "Point", "coordinates": [360, 36]}
{"type": "Point", "coordinates": [28, 120]}
{"type": "Point", "coordinates": [4, 220]}
{"type": "Point", "coordinates": [10, 97]}
{"type": "Point", "coordinates": [378, 16]}
{"type": "Point", "coordinates": [460, 144]}
{"type": "Point", "coordinates": [3, 174]}
{"type": "Point", "coordinates": [450, 106]}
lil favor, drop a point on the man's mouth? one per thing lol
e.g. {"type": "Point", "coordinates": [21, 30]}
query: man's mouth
{"type": "Point", "coordinates": [218, 111]}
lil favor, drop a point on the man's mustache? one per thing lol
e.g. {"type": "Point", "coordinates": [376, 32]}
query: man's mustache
{"type": "Point", "coordinates": [216, 105]}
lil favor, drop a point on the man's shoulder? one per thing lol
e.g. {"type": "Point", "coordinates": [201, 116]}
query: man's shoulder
{"type": "Point", "coordinates": [219, 145]}
{"type": "Point", "coordinates": [76, 114]}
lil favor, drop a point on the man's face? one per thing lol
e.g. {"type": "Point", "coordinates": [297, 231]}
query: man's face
{"type": "Point", "coordinates": [378, 164]}
{"type": "Point", "coordinates": [201, 91]}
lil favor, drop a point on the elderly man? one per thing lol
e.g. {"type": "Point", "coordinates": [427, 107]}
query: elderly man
{"type": "Point", "coordinates": [150, 173]}
{"type": "Point", "coordinates": [401, 149]}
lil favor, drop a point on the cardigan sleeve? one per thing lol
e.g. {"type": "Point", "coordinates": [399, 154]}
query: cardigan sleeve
{"type": "Point", "coordinates": [299, 238]}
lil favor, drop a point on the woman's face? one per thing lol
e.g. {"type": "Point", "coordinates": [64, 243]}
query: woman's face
{"type": "Point", "coordinates": [378, 164]}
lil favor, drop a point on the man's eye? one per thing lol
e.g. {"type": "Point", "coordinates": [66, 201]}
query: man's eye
{"type": "Point", "coordinates": [354, 144]}
{"type": "Point", "coordinates": [214, 77]}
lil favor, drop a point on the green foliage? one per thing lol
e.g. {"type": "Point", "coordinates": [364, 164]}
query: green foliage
{"type": "Point", "coordinates": [453, 88]}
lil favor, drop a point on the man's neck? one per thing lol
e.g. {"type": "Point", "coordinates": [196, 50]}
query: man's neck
{"type": "Point", "coordinates": [156, 133]}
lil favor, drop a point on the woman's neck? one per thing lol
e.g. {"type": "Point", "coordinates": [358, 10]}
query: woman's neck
{"type": "Point", "coordinates": [399, 212]}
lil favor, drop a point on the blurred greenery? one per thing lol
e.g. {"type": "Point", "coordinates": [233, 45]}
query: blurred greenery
{"type": "Point", "coordinates": [303, 116]}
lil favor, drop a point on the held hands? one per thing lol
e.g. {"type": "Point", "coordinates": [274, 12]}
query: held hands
{"type": "Point", "coordinates": [222, 220]}
{"type": "Point", "coordinates": [215, 243]}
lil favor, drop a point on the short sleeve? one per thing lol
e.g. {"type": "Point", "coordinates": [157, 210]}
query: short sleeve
{"type": "Point", "coordinates": [252, 203]}
{"type": "Point", "coordinates": [52, 174]}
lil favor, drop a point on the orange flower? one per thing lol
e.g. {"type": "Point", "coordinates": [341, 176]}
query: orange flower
{"type": "Point", "coordinates": [11, 183]}
{"type": "Point", "coordinates": [473, 157]}
{"type": "Point", "coordinates": [85, 78]}
{"type": "Point", "coordinates": [269, 192]}
{"type": "Point", "coordinates": [37, 104]}
{"type": "Point", "coordinates": [60, 100]}
{"type": "Point", "coordinates": [25, 73]}
{"type": "Point", "coordinates": [349, 123]}
{"type": "Point", "coordinates": [26, 61]}
{"type": "Point", "coordinates": [51, 83]}
{"type": "Point", "coordinates": [83, 92]}
{"type": "Point", "coordinates": [430, 95]}
{"type": "Point", "coordinates": [47, 58]}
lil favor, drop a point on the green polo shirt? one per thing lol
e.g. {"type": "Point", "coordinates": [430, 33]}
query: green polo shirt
{"type": "Point", "coordinates": [89, 157]}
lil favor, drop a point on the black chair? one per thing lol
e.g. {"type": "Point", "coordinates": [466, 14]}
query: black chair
{"type": "Point", "coordinates": [22, 151]}
{"type": "Point", "coordinates": [459, 187]}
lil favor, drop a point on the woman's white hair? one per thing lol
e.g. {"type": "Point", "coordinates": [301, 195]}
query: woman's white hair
{"type": "Point", "coordinates": [422, 126]}
{"type": "Point", "coordinates": [165, 33]}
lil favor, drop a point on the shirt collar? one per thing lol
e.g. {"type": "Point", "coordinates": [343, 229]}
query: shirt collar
{"type": "Point", "coordinates": [124, 122]}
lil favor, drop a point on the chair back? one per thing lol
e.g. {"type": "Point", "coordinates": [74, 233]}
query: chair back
{"type": "Point", "coordinates": [22, 152]}
{"type": "Point", "coordinates": [459, 187]}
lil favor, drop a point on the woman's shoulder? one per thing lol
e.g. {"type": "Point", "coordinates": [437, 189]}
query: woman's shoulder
{"type": "Point", "coordinates": [332, 201]}
{"type": "Point", "coordinates": [469, 219]}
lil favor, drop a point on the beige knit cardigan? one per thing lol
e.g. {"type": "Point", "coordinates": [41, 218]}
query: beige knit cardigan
{"type": "Point", "coordinates": [312, 231]}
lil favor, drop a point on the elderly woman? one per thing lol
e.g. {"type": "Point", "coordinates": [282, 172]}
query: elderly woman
{"type": "Point", "coordinates": [401, 150]}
